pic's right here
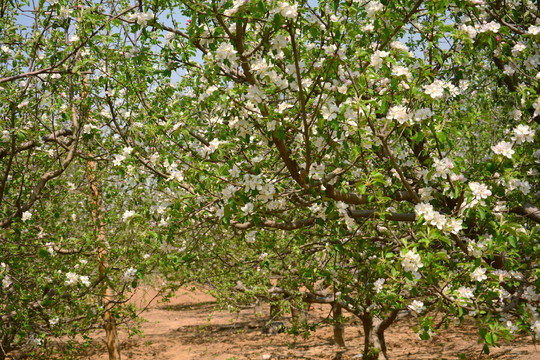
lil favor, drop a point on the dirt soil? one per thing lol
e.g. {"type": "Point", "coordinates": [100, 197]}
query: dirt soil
{"type": "Point", "coordinates": [190, 328]}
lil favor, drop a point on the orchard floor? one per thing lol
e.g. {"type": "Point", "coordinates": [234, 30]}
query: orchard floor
{"type": "Point", "coordinates": [189, 328]}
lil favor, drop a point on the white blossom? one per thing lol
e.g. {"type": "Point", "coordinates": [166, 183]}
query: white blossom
{"type": "Point", "coordinates": [128, 214]}
{"type": "Point", "coordinates": [490, 26]}
{"type": "Point", "coordinates": [417, 306]}
{"type": "Point", "coordinates": [536, 326]}
{"type": "Point", "coordinates": [411, 261]}
{"type": "Point", "coordinates": [533, 30]}
{"type": "Point", "coordinates": [248, 208]}
{"type": "Point", "coordinates": [234, 171]}
{"type": "Point", "coordinates": [228, 192]}
{"type": "Point", "coordinates": [454, 225]}
{"type": "Point", "coordinates": [422, 114]}
{"type": "Point", "coordinates": [377, 58]}
{"type": "Point", "coordinates": [237, 4]}
{"type": "Point", "coordinates": [378, 285]}
{"type": "Point", "coordinates": [470, 30]}
{"type": "Point", "coordinates": [480, 191]}
{"type": "Point", "coordinates": [398, 45]}
{"type": "Point", "coordinates": [518, 48]}
{"type": "Point", "coordinates": [503, 148]}
{"type": "Point", "coordinates": [71, 278]}
{"type": "Point", "coordinates": [399, 113]}
{"type": "Point", "coordinates": [287, 10]}
{"type": "Point", "coordinates": [442, 166]}
{"type": "Point", "coordinates": [129, 274]}
{"type": "Point", "coordinates": [523, 133]}
{"type": "Point", "coordinates": [373, 7]}
{"type": "Point", "coordinates": [478, 274]}
{"type": "Point", "coordinates": [226, 51]}
{"type": "Point", "coordinates": [6, 282]}
{"type": "Point", "coordinates": [398, 70]}
{"type": "Point", "coordinates": [27, 215]}
{"type": "Point", "coordinates": [85, 280]}
{"type": "Point", "coordinates": [118, 160]}
{"type": "Point", "coordinates": [141, 18]}
{"type": "Point", "coordinates": [435, 90]}
{"type": "Point", "coordinates": [465, 293]}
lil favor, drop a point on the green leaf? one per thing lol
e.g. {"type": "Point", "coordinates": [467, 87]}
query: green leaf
{"type": "Point", "coordinates": [512, 240]}
{"type": "Point", "coordinates": [278, 20]}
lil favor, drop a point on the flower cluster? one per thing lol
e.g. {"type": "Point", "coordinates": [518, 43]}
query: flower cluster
{"type": "Point", "coordinates": [503, 148]}
{"type": "Point", "coordinates": [141, 18]}
{"type": "Point", "coordinates": [442, 167]}
{"type": "Point", "coordinates": [288, 11]}
{"type": "Point", "coordinates": [73, 279]}
{"type": "Point", "coordinates": [480, 191]}
{"type": "Point", "coordinates": [27, 215]}
{"type": "Point", "coordinates": [523, 133]}
{"type": "Point", "coordinates": [378, 285]}
{"type": "Point", "coordinates": [399, 113]}
{"type": "Point", "coordinates": [436, 89]}
{"type": "Point", "coordinates": [411, 262]}
{"type": "Point", "coordinates": [237, 4]}
{"type": "Point", "coordinates": [226, 51]}
{"type": "Point", "coordinates": [434, 218]}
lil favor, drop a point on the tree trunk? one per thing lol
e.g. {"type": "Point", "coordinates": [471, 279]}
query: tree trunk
{"type": "Point", "coordinates": [374, 342]}
{"type": "Point", "coordinates": [275, 312]}
{"type": "Point", "coordinates": [274, 326]}
{"type": "Point", "coordinates": [259, 309]}
{"type": "Point", "coordinates": [109, 322]}
{"type": "Point", "coordinates": [299, 314]}
{"type": "Point", "coordinates": [339, 328]}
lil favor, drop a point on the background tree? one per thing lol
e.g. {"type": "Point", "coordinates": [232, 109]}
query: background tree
{"type": "Point", "coordinates": [377, 156]}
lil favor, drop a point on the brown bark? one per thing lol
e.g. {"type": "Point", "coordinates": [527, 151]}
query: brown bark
{"type": "Point", "coordinates": [374, 342]}
{"type": "Point", "coordinates": [109, 322]}
{"type": "Point", "coordinates": [339, 328]}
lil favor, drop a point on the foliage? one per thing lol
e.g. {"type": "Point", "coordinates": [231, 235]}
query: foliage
{"type": "Point", "coordinates": [376, 155]}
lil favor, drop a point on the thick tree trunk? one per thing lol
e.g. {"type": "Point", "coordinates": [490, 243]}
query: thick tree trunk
{"type": "Point", "coordinates": [109, 322]}
{"type": "Point", "coordinates": [339, 328]}
{"type": "Point", "coordinates": [374, 342]}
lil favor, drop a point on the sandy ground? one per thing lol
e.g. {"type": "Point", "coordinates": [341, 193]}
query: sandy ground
{"type": "Point", "coordinates": [189, 328]}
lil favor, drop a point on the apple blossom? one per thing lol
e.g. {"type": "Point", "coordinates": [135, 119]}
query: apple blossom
{"type": "Point", "coordinates": [27, 215]}
{"type": "Point", "coordinates": [503, 148]}
{"type": "Point", "coordinates": [417, 306]}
